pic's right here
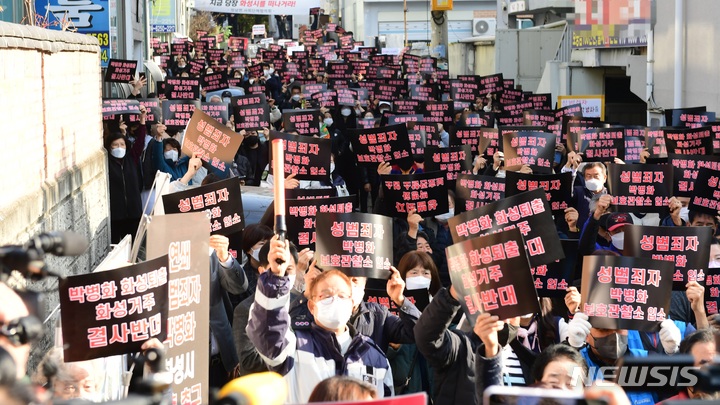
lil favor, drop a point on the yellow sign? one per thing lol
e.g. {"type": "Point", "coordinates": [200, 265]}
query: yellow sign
{"type": "Point", "coordinates": [442, 5]}
{"type": "Point", "coordinates": [593, 106]}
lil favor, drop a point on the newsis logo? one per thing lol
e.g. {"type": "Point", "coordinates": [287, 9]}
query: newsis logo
{"type": "Point", "coordinates": [640, 376]}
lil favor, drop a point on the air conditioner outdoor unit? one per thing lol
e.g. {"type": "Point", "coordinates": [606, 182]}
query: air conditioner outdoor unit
{"type": "Point", "coordinates": [483, 27]}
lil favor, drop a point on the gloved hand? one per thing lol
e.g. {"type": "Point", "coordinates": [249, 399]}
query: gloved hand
{"type": "Point", "coordinates": [670, 336]}
{"type": "Point", "coordinates": [578, 329]}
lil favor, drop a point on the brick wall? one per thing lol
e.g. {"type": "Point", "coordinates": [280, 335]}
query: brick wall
{"type": "Point", "coordinates": [54, 172]}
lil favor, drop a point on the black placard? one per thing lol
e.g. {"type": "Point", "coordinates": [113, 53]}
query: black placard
{"type": "Point", "coordinates": [406, 106]}
{"type": "Point", "coordinates": [634, 145]}
{"type": "Point", "coordinates": [481, 140]}
{"type": "Point", "coordinates": [538, 118]}
{"type": "Point", "coordinates": [655, 143]}
{"type": "Point", "coordinates": [153, 106]}
{"type": "Point", "coordinates": [309, 193]}
{"type": "Point", "coordinates": [678, 116]}
{"type": "Point", "coordinates": [541, 101]}
{"type": "Point", "coordinates": [120, 71]}
{"type": "Point", "coordinates": [423, 92]}
{"type": "Point", "coordinates": [626, 292]}
{"type": "Point", "coordinates": [222, 199]}
{"type": "Point", "coordinates": [640, 188]}
{"type": "Point", "coordinates": [712, 291]}
{"type": "Point", "coordinates": [535, 149]}
{"type": "Point", "coordinates": [196, 66]}
{"type": "Point", "coordinates": [112, 107]}
{"type": "Point", "coordinates": [214, 81]}
{"type": "Point", "coordinates": [441, 112]}
{"type": "Point", "coordinates": [219, 111]}
{"type": "Point", "coordinates": [707, 192]}
{"type": "Point", "coordinates": [300, 217]}
{"type": "Point", "coordinates": [389, 144]}
{"type": "Point", "coordinates": [602, 144]}
{"type": "Point", "coordinates": [114, 312]}
{"type": "Point", "coordinates": [685, 171]}
{"type": "Point", "coordinates": [687, 247]}
{"type": "Point", "coordinates": [474, 191]}
{"type": "Point", "coordinates": [304, 122]}
{"type": "Point", "coordinates": [177, 113]}
{"type": "Point", "coordinates": [182, 88]}
{"type": "Point", "coordinates": [347, 97]}
{"type": "Point", "coordinates": [305, 156]}
{"type": "Point", "coordinates": [307, 90]}
{"type": "Point", "coordinates": [426, 193]}
{"type": "Point", "coordinates": [490, 274]}
{"type": "Point", "coordinates": [251, 112]}
{"type": "Point", "coordinates": [420, 298]}
{"type": "Point", "coordinates": [357, 244]}
{"type": "Point", "coordinates": [557, 187]}
{"type": "Point", "coordinates": [690, 141]}
{"type": "Point", "coordinates": [464, 90]}
{"type": "Point", "coordinates": [452, 160]}
{"type": "Point", "coordinates": [528, 211]}
{"type": "Point", "coordinates": [477, 119]}
{"type": "Point", "coordinates": [327, 99]}
{"type": "Point", "coordinates": [553, 279]}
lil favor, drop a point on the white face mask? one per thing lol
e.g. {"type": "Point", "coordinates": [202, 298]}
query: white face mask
{"type": "Point", "coordinates": [445, 217]}
{"type": "Point", "coordinates": [256, 254]}
{"type": "Point", "coordinates": [171, 155]}
{"type": "Point", "coordinates": [500, 174]}
{"type": "Point", "coordinates": [335, 314]}
{"type": "Point", "coordinates": [713, 264]}
{"type": "Point", "coordinates": [684, 213]}
{"type": "Point", "coordinates": [417, 283]}
{"type": "Point", "coordinates": [345, 112]}
{"type": "Point", "coordinates": [226, 100]}
{"type": "Point", "coordinates": [328, 121]}
{"type": "Point", "coordinates": [358, 294]}
{"type": "Point", "coordinates": [251, 81]}
{"type": "Point", "coordinates": [296, 97]}
{"type": "Point", "coordinates": [358, 112]}
{"type": "Point", "coordinates": [487, 108]}
{"type": "Point", "coordinates": [618, 240]}
{"type": "Point", "coordinates": [594, 185]}
{"type": "Point", "coordinates": [118, 153]}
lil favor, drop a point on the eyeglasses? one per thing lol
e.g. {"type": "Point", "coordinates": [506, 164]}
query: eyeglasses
{"type": "Point", "coordinates": [327, 299]}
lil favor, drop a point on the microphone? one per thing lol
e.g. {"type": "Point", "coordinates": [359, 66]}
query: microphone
{"type": "Point", "coordinates": [266, 388]}
{"type": "Point", "coordinates": [59, 243]}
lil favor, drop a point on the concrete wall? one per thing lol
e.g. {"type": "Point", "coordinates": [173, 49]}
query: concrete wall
{"type": "Point", "coordinates": [54, 175]}
{"type": "Point", "coordinates": [702, 76]}
{"type": "Point", "coordinates": [522, 54]}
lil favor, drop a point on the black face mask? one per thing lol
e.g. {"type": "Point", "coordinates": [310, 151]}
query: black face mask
{"type": "Point", "coordinates": [507, 334]}
{"type": "Point", "coordinates": [251, 141]}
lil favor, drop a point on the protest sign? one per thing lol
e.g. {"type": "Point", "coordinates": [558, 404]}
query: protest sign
{"type": "Point", "coordinates": [177, 113]}
{"type": "Point", "coordinates": [301, 213]}
{"type": "Point", "coordinates": [214, 81]}
{"type": "Point", "coordinates": [655, 143]}
{"type": "Point", "coordinates": [355, 243]}
{"type": "Point", "coordinates": [477, 119]}
{"type": "Point", "coordinates": [112, 107]}
{"type": "Point", "coordinates": [307, 90]}
{"type": "Point", "coordinates": [474, 191]}
{"type": "Point", "coordinates": [592, 105]}
{"type": "Point", "coordinates": [327, 99]}
{"type": "Point", "coordinates": [406, 106]}
{"type": "Point", "coordinates": [426, 193]}
{"type": "Point", "coordinates": [677, 117]}
{"type": "Point", "coordinates": [491, 274]}
{"type": "Point", "coordinates": [535, 149]}
{"type": "Point", "coordinates": [180, 47]}
{"type": "Point", "coordinates": [634, 145]}
{"type": "Point", "coordinates": [439, 111]}
{"type": "Point", "coordinates": [305, 156]}
{"type": "Point", "coordinates": [216, 143]}
{"type": "Point", "coordinates": [506, 119]}
{"type": "Point", "coordinates": [389, 144]}
{"type": "Point", "coordinates": [251, 112]}
{"type": "Point", "coordinates": [687, 247]}
{"type": "Point", "coordinates": [452, 160]}
{"type": "Point", "coordinates": [706, 198]}
{"type": "Point", "coordinates": [185, 237]}
{"type": "Point", "coordinates": [423, 92]}
{"type": "Point", "coordinates": [464, 91]}
{"type": "Point", "coordinates": [304, 122]}
{"type": "Point", "coordinates": [220, 112]}
{"type": "Point", "coordinates": [182, 88]}
{"type": "Point", "coordinates": [640, 188]}
{"type": "Point", "coordinates": [626, 292]}
{"type": "Point", "coordinates": [120, 70]}
{"type": "Point", "coordinates": [404, 118]}
{"type": "Point", "coordinates": [114, 312]}
{"type": "Point", "coordinates": [347, 97]}
{"type": "Point", "coordinates": [712, 290]}
{"type": "Point", "coordinates": [411, 399]}
{"type": "Point", "coordinates": [420, 298]}
{"type": "Point", "coordinates": [538, 118]}
{"type": "Point", "coordinates": [541, 101]}
{"type": "Point", "coordinates": [602, 144]}
{"type": "Point", "coordinates": [309, 193]}
{"type": "Point", "coordinates": [690, 141]}
{"type": "Point", "coordinates": [685, 171]}
{"type": "Point", "coordinates": [572, 126]}
{"type": "Point", "coordinates": [482, 141]}
{"type": "Point", "coordinates": [553, 279]}
{"type": "Point", "coordinates": [222, 199]}
{"type": "Point", "coordinates": [557, 187]}
{"type": "Point", "coordinates": [153, 106]}
{"type": "Point", "coordinates": [528, 211]}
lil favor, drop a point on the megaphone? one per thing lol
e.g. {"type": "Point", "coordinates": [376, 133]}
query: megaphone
{"type": "Point", "coordinates": [266, 388]}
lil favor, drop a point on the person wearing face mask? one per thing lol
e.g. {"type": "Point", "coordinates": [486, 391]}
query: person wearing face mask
{"type": "Point", "coordinates": [125, 186]}
{"type": "Point", "coordinates": [328, 346]}
{"type": "Point", "coordinates": [273, 84]}
{"type": "Point", "coordinates": [592, 186]}
{"type": "Point", "coordinates": [257, 153]}
{"type": "Point", "coordinates": [334, 179]}
{"type": "Point", "coordinates": [254, 237]}
{"type": "Point", "coordinates": [602, 348]}
{"type": "Point", "coordinates": [411, 372]}
{"type": "Point", "coordinates": [166, 155]}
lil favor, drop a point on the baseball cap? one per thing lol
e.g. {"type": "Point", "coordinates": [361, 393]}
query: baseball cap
{"type": "Point", "coordinates": [618, 219]}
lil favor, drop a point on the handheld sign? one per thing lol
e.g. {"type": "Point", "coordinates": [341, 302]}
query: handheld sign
{"type": "Point", "coordinates": [220, 112]}
{"type": "Point", "coordinates": [114, 312]}
{"type": "Point", "coordinates": [309, 193]}
{"type": "Point", "coordinates": [482, 141]}
{"type": "Point", "coordinates": [529, 211]}
{"type": "Point", "coordinates": [685, 171]}
{"type": "Point", "coordinates": [655, 143]}
{"type": "Point", "coordinates": [420, 298]}
{"type": "Point", "coordinates": [222, 199]}
{"type": "Point", "coordinates": [553, 279]}
{"type": "Point", "coordinates": [306, 157]}
{"type": "Point", "coordinates": [707, 193]}
{"type": "Point", "coordinates": [626, 292]}
{"type": "Point", "coordinates": [389, 144]}
{"type": "Point", "coordinates": [120, 71]}
{"type": "Point", "coordinates": [426, 193]}
{"type": "Point", "coordinates": [474, 191]}
{"type": "Point", "coordinates": [112, 107]}
{"type": "Point", "coordinates": [355, 243]}
{"type": "Point", "coordinates": [687, 247]}
{"type": "Point", "coordinates": [602, 144]}
{"type": "Point", "coordinates": [712, 290]}
{"type": "Point", "coordinates": [557, 187]}
{"type": "Point", "coordinates": [251, 112]}
{"type": "Point", "coordinates": [301, 213]}
{"type": "Point", "coordinates": [640, 188]}
{"type": "Point", "coordinates": [452, 160]}
{"type": "Point", "coordinates": [535, 149]}
{"type": "Point", "coordinates": [491, 274]}
{"type": "Point", "coordinates": [304, 122]}
{"type": "Point", "coordinates": [216, 143]}
{"type": "Point", "coordinates": [177, 113]}
{"type": "Point", "coordinates": [153, 106]}
{"type": "Point", "coordinates": [691, 141]}
{"type": "Point", "coordinates": [182, 88]}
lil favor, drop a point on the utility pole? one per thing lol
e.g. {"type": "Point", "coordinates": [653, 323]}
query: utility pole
{"type": "Point", "coordinates": [439, 35]}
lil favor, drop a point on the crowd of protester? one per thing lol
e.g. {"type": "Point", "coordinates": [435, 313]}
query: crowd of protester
{"type": "Point", "coordinates": [274, 309]}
